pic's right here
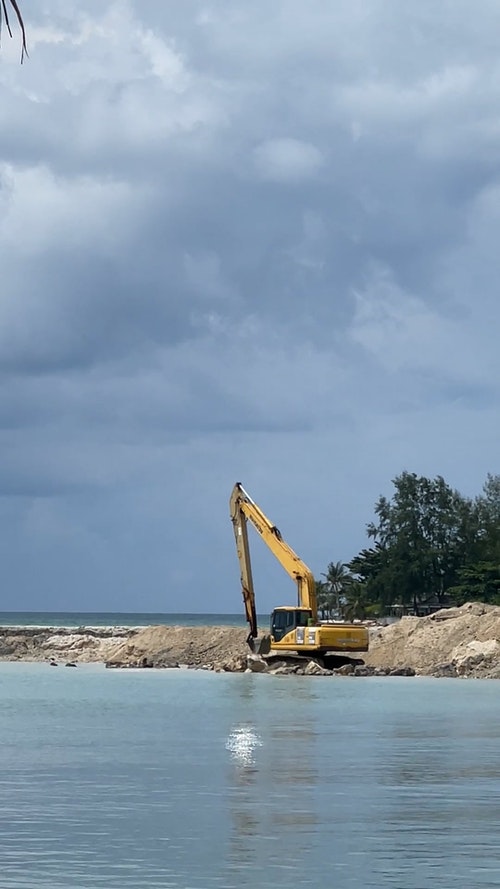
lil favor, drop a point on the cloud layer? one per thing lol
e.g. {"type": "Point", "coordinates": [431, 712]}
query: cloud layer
{"type": "Point", "coordinates": [238, 242]}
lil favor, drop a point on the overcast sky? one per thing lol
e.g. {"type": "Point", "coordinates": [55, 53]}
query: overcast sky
{"type": "Point", "coordinates": [239, 241]}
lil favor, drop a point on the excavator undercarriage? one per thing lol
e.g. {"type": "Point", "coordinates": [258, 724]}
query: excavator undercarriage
{"type": "Point", "coordinates": [329, 660]}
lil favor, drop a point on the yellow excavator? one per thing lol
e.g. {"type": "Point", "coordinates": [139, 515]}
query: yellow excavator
{"type": "Point", "coordinates": [294, 629]}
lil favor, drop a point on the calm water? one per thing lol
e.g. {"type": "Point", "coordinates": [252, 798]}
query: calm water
{"type": "Point", "coordinates": [187, 779]}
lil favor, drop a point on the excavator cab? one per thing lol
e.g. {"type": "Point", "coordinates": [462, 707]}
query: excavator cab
{"type": "Point", "coordinates": [284, 620]}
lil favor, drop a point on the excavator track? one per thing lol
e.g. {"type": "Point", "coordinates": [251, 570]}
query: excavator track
{"type": "Point", "coordinates": [329, 661]}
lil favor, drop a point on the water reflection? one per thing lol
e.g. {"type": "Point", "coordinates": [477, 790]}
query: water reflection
{"type": "Point", "coordinates": [242, 743]}
{"type": "Point", "coordinates": [272, 780]}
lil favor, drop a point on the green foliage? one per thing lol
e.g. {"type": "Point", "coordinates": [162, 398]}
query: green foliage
{"type": "Point", "coordinates": [324, 600]}
{"type": "Point", "coordinates": [480, 582]}
{"type": "Point", "coordinates": [335, 592]}
{"type": "Point", "coordinates": [431, 546]}
{"type": "Point", "coordinates": [337, 580]}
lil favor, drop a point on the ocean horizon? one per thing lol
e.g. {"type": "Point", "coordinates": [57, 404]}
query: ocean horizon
{"type": "Point", "coordinates": [123, 619]}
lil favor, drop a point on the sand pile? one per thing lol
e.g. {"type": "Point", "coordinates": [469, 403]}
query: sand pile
{"type": "Point", "coordinates": [461, 641]}
{"type": "Point", "coordinates": [214, 647]}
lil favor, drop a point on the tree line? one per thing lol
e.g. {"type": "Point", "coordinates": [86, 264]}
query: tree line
{"type": "Point", "coordinates": [430, 547]}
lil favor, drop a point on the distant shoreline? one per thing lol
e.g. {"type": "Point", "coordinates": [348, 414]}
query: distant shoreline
{"type": "Point", "coordinates": [456, 643]}
{"type": "Point", "coordinates": [81, 619]}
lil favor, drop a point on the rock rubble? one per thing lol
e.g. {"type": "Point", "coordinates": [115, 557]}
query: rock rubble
{"type": "Point", "coordinates": [61, 644]}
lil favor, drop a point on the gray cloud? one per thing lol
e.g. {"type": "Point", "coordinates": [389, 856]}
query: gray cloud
{"type": "Point", "coordinates": [252, 242]}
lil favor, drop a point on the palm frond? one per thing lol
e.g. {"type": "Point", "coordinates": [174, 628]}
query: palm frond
{"type": "Point", "coordinates": [4, 17]}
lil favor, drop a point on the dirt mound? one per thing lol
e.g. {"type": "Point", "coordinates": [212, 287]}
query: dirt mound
{"type": "Point", "coordinates": [215, 647]}
{"type": "Point", "coordinates": [82, 644]}
{"type": "Point", "coordinates": [461, 641]}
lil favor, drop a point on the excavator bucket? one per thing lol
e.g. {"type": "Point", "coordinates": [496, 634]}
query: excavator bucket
{"type": "Point", "coordinates": [260, 646]}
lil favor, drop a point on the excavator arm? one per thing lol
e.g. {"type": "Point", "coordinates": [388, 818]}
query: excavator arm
{"type": "Point", "coordinates": [243, 509]}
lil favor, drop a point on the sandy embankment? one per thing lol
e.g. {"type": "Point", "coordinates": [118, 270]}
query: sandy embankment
{"type": "Point", "coordinates": [215, 647]}
{"type": "Point", "coordinates": [461, 641]}
{"type": "Point", "coordinates": [63, 644]}
{"type": "Point", "coordinates": [455, 642]}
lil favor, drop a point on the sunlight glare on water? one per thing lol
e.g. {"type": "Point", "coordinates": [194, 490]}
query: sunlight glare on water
{"type": "Point", "coordinates": [182, 779]}
{"type": "Point", "coordinates": [241, 743]}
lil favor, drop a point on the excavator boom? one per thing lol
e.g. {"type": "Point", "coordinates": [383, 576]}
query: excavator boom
{"type": "Point", "coordinates": [243, 508]}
